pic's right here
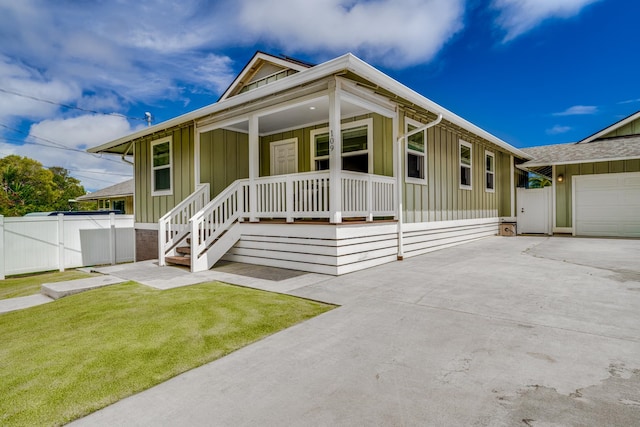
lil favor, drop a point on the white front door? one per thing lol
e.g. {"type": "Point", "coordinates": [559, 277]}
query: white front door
{"type": "Point", "coordinates": [534, 210]}
{"type": "Point", "coordinates": [284, 157]}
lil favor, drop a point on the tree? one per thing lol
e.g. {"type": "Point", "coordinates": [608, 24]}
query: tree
{"type": "Point", "coordinates": [68, 188]}
{"type": "Point", "coordinates": [538, 181]}
{"type": "Point", "coordinates": [26, 186]}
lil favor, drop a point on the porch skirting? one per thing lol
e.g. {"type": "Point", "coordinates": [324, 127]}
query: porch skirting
{"type": "Point", "coordinates": [344, 248]}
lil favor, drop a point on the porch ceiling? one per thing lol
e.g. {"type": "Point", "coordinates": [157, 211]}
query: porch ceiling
{"type": "Point", "coordinates": [312, 112]}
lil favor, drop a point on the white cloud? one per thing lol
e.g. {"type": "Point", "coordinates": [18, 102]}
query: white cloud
{"type": "Point", "coordinates": [78, 133]}
{"type": "Point", "coordinates": [516, 17]}
{"type": "Point", "coordinates": [558, 129]}
{"type": "Point", "coordinates": [578, 110]}
{"type": "Point", "coordinates": [394, 32]}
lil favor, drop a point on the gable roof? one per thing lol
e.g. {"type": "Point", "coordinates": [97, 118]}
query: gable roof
{"type": "Point", "coordinates": [345, 63]}
{"type": "Point", "coordinates": [622, 148]}
{"type": "Point", "coordinates": [261, 67]}
{"type": "Point", "coordinates": [123, 189]}
{"type": "Point", "coordinates": [610, 129]}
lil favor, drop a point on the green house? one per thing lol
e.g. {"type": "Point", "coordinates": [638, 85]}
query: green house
{"type": "Point", "coordinates": [327, 168]}
{"type": "Point", "coordinates": [595, 187]}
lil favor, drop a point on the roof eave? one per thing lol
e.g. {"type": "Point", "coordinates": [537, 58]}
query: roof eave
{"type": "Point", "coordinates": [345, 62]}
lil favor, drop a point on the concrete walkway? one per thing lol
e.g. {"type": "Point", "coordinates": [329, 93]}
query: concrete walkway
{"type": "Point", "coordinates": [501, 332]}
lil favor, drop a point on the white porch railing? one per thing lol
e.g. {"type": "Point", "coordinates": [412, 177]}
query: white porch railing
{"type": "Point", "coordinates": [367, 195]}
{"type": "Point", "coordinates": [216, 217]}
{"type": "Point", "coordinates": [302, 195]}
{"type": "Point", "coordinates": [174, 225]}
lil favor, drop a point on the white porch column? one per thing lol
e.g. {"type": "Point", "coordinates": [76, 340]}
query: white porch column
{"type": "Point", "coordinates": [254, 164]}
{"type": "Point", "coordinates": [335, 154]}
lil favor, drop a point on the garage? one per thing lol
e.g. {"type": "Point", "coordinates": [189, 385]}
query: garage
{"type": "Point", "coordinates": [607, 205]}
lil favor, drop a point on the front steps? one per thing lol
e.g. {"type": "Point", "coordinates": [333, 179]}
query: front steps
{"type": "Point", "coordinates": [183, 256]}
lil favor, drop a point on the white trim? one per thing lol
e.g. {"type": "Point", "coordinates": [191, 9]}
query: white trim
{"type": "Point", "coordinates": [575, 162]}
{"type": "Point", "coordinates": [345, 126]}
{"type": "Point", "coordinates": [169, 191]}
{"type": "Point", "coordinates": [554, 219]}
{"type": "Point", "coordinates": [413, 180]}
{"type": "Point", "coordinates": [460, 165]}
{"type": "Point", "coordinates": [573, 204]}
{"type": "Point", "coordinates": [196, 156]}
{"type": "Point", "coordinates": [491, 154]}
{"type": "Point", "coordinates": [250, 65]}
{"type": "Point", "coordinates": [566, 230]}
{"type": "Point", "coordinates": [611, 128]}
{"type": "Point", "coordinates": [512, 183]}
{"type": "Point", "coordinates": [146, 226]}
{"type": "Point", "coordinates": [272, 146]}
{"type": "Point", "coordinates": [347, 62]}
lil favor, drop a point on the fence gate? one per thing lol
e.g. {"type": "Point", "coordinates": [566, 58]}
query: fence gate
{"type": "Point", "coordinates": [534, 210]}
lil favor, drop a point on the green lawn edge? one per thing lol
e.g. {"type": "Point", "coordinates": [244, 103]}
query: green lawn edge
{"type": "Point", "coordinates": [63, 360]}
{"type": "Point", "coordinates": [29, 284]}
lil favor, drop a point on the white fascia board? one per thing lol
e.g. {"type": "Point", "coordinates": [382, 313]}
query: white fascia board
{"type": "Point", "coordinates": [575, 162]}
{"type": "Point", "coordinates": [267, 58]}
{"type": "Point", "coordinates": [365, 70]}
{"type": "Point", "coordinates": [345, 62]}
{"type": "Point", "coordinates": [310, 74]}
{"type": "Point", "coordinates": [611, 128]}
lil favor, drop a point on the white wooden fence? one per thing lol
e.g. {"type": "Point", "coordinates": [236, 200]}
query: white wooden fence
{"type": "Point", "coordinates": [33, 244]}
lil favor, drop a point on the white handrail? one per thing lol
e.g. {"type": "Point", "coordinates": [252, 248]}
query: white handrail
{"type": "Point", "coordinates": [174, 225]}
{"type": "Point", "coordinates": [214, 219]}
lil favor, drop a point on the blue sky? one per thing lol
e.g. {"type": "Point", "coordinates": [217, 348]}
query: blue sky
{"type": "Point", "coordinates": [532, 72]}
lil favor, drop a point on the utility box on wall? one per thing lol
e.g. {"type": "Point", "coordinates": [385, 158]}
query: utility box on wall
{"type": "Point", "coordinates": [508, 229]}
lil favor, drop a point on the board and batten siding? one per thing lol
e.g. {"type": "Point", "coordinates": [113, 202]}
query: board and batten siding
{"type": "Point", "coordinates": [224, 158]}
{"type": "Point", "coordinates": [382, 145]}
{"type": "Point", "coordinates": [441, 199]}
{"type": "Point", "coordinates": [148, 208]}
{"type": "Point", "coordinates": [564, 212]}
{"type": "Point", "coordinates": [632, 128]}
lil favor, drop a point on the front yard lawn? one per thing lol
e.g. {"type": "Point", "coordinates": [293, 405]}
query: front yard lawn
{"type": "Point", "coordinates": [63, 360]}
{"type": "Point", "coordinates": [29, 284]}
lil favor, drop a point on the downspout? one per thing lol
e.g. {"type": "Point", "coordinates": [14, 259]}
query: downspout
{"type": "Point", "coordinates": [401, 141]}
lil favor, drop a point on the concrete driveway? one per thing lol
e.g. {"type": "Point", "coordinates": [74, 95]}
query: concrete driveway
{"type": "Point", "coordinates": [526, 331]}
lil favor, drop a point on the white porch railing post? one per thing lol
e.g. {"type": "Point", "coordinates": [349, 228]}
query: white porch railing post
{"type": "Point", "coordinates": [289, 197]}
{"type": "Point", "coordinates": [2, 247]}
{"type": "Point", "coordinates": [369, 198]}
{"type": "Point", "coordinates": [254, 159]}
{"type": "Point", "coordinates": [162, 232]}
{"type": "Point", "coordinates": [61, 242]}
{"type": "Point", "coordinates": [335, 154]}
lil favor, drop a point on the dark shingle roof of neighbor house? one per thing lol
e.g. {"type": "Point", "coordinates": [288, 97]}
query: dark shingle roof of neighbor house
{"type": "Point", "coordinates": [599, 150]}
{"type": "Point", "coordinates": [119, 190]}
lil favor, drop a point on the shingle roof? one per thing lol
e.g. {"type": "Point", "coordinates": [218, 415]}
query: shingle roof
{"type": "Point", "coordinates": [123, 189]}
{"type": "Point", "coordinates": [599, 150]}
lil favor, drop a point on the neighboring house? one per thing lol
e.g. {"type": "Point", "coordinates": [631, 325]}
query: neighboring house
{"type": "Point", "coordinates": [116, 197]}
{"type": "Point", "coordinates": [329, 168]}
{"type": "Point", "coordinates": [595, 182]}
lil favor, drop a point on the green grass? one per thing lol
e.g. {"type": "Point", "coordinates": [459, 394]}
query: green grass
{"type": "Point", "coordinates": [63, 360]}
{"type": "Point", "coordinates": [29, 284]}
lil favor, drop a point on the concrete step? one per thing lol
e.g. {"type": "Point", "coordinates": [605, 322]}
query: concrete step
{"type": "Point", "coordinates": [180, 260]}
{"type": "Point", "coordinates": [62, 289]}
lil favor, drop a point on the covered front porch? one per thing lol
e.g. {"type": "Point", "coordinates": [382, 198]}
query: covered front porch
{"type": "Point", "coordinates": [320, 152]}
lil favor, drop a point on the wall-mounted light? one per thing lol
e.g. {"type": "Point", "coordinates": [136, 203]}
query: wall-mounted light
{"type": "Point", "coordinates": [560, 178]}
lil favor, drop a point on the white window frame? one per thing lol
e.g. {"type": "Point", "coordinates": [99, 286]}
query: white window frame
{"type": "Point", "coordinates": [491, 154]}
{"type": "Point", "coordinates": [409, 152]}
{"type": "Point", "coordinates": [168, 191]}
{"type": "Point", "coordinates": [461, 165]}
{"type": "Point", "coordinates": [343, 127]}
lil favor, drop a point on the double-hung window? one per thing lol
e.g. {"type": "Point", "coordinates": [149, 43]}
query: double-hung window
{"type": "Point", "coordinates": [490, 168]}
{"type": "Point", "coordinates": [416, 166]}
{"type": "Point", "coordinates": [466, 165]}
{"type": "Point", "coordinates": [161, 170]}
{"type": "Point", "coordinates": [356, 147]}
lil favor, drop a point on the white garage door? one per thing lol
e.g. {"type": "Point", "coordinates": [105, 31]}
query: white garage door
{"type": "Point", "coordinates": [607, 205]}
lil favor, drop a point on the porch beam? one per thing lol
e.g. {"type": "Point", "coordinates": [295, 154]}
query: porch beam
{"type": "Point", "coordinates": [254, 164]}
{"type": "Point", "coordinates": [335, 154]}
